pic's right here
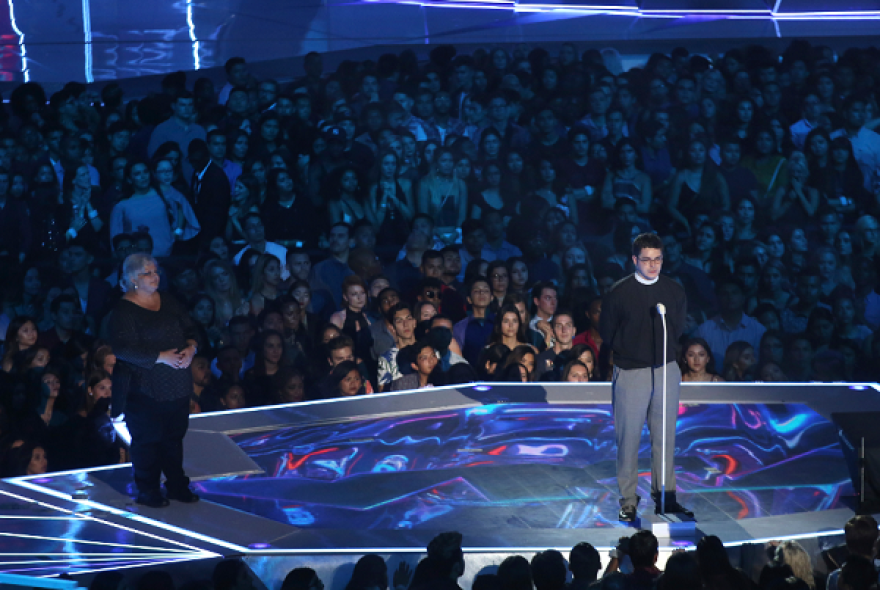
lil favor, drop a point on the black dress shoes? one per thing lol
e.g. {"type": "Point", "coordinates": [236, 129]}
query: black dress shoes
{"type": "Point", "coordinates": [153, 499]}
{"type": "Point", "coordinates": [672, 505]}
{"type": "Point", "coordinates": [185, 495]}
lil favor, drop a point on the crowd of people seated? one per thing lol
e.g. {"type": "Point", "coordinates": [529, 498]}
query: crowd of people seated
{"type": "Point", "coordinates": [400, 224]}
{"type": "Point", "coordinates": [631, 565]}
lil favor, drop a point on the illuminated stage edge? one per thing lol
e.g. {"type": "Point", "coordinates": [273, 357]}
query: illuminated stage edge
{"type": "Point", "coordinates": [516, 467]}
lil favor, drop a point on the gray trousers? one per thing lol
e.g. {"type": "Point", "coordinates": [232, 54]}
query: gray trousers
{"type": "Point", "coordinates": [637, 394]}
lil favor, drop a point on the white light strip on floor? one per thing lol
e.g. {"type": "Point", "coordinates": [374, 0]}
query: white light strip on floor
{"type": "Point", "coordinates": [131, 516]}
{"type": "Point", "coordinates": [25, 581]}
{"type": "Point", "coordinates": [123, 567]}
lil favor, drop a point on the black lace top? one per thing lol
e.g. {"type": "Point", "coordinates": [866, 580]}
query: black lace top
{"type": "Point", "coordinates": [137, 336]}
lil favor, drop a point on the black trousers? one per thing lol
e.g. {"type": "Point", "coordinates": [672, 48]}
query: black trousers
{"type": "Point", "coordinates": [157, 429]}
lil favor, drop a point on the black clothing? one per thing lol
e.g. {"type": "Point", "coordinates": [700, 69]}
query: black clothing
{"type": "Point", "coordinates": [632, 327]}
{"type": "Point", "coordinates": [211, 198]}
{"type": "Point", "coordinates": [157, 429]}
{"type": "Point", "coordinates": [153, 396]}
{"type": "Point", "coordinates": [50, 221]}
{"type": "Point", "coordinates": [395, 228]}
{"type": "Point", "coordinates": [15, 227]}
{"type": "Point", "coordinates": [137, 336]}
{"type": "Point", "coordinates": [96, 300]}
{"type": "Point", "coordinates": [740, 183]}
{"type": "Point", "coordinates": [555, 152]}
{"type": "Point", "coordinates": [298, 222]}
{"type": "Point", "coordinates": [258, 388]}
{"type": "Point", "coordinates": [85, 441]}
{"type": "Point", "coordinates": [357, 328]}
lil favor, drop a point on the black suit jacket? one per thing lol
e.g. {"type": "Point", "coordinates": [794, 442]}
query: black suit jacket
{"type": "Point", "coordinates": [210, 202]}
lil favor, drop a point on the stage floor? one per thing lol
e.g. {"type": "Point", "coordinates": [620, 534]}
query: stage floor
{"type": "Point", "coordinates": [511, 467]}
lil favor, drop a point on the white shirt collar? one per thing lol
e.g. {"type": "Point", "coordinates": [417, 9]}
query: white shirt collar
{"type": "Point", "coordinates": [645, 281]}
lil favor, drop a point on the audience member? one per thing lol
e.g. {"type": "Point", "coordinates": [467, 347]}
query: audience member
{"type": "Point", "coordinates": [492, 195]}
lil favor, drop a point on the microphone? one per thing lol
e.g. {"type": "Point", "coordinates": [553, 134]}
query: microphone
{"type": "Point", "coordinates": [661, 309]}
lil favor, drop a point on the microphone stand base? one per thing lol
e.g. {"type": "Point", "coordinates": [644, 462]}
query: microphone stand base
{"type": "Point", "coordinates": [670, 525]}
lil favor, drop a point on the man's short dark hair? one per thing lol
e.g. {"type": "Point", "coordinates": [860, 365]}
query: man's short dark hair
{"type": "Point", "coordinates": [361, 223]}
{"type": "Point", "coordinates": [117, 127]}
{"type": "Point", "coordinates": [247, 320]}
{"type": "Point", "coordinates": [399, 306]}
{"type": "Point", "coordinates": [75, 243]}
{"type": "Point", "coordinates": [826, 210]}
{"type": "Point", "coordinates": [431, 254]}
{"type": "Point", "coordinates": [682, 572]}
{"type": "Point", "coordinates": [347, 226]}
{"type": "Point", "coordinates": [422, 216]}
{"type": "Point", "coordinates": [250, 215]}
{"type": "Point", "coordinates": [730, 139]}
{"type": "Point", "coordinates": [729, 279]}
{"type": "Point", "coordinates": [232, 62]}
{"type": "Point", "coordinates": [563, 311]}
{"type": "Point", "coordinates": [646, 240]}
{"type": "Point", "coordinates": [238, 89]}
{"type": "Point", "coordinates": [227, 348]}
{"type": "Point", "coordinates": [643, 549]}
{"type": "Point", "coordinates": [197, 146]}
{"type": "Point", "coordinates": [142, 235]}
{"type": "Point", "coordinates": [540, 286]}
{"type": "Point", "coordinates": [548, 570]}
{"type": "Point", "coordinates": [440, 316]}
{"type": "Point", "coordinates": [463, 60]}
{"type": "Point", "coordinates": [340, 342]}
{"type": "Point", "coordinates": [578, 130]}
{"type": "Point", "coordinates": [119, 238]}
{"type": "Point", "coordinates": [474, 281]}
{"type": "Point", "coordinates": [470, 226]}
{"type": "Point", "coordinates": [851, 100]}
{"type": "Point", "coordinates": [226, 573]}
{"type": "Point", "coordinates": [686, 77]}
{"type": "Point", "coordinates": [299, 579]}
{"type": "Point", "coordinates": [417, 348]}
{"type": "Point", "coordinates": [861, 533]}
{"type": "Point", "coordinates": [62, 299]}
{"type": "Point", "coordinates": [184, 94]}
{"type": "Point", "coordinates": [445, 552]}
{"type": "Point", "coordinates": [746, 261]}
{"type": "Point", "coordinates": [584, 562]}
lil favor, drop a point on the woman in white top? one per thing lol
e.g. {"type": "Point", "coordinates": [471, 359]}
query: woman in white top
{"type": "Point", "coordinates": [148, 209]}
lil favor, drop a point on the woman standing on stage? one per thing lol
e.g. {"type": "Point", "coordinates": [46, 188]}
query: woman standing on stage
{"type": "Point", "coordinates": [154, 341]}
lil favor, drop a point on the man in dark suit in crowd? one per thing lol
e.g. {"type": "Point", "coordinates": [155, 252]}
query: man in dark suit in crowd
{"type": "Point", "coordinates": [210, 192]}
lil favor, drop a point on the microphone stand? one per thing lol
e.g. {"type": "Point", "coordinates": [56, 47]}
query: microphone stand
{"type": "Point", "coordinates": [661, 309]}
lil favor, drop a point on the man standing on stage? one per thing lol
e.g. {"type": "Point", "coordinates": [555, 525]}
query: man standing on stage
{"type": "Point", "coordinates": [631, 324]}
